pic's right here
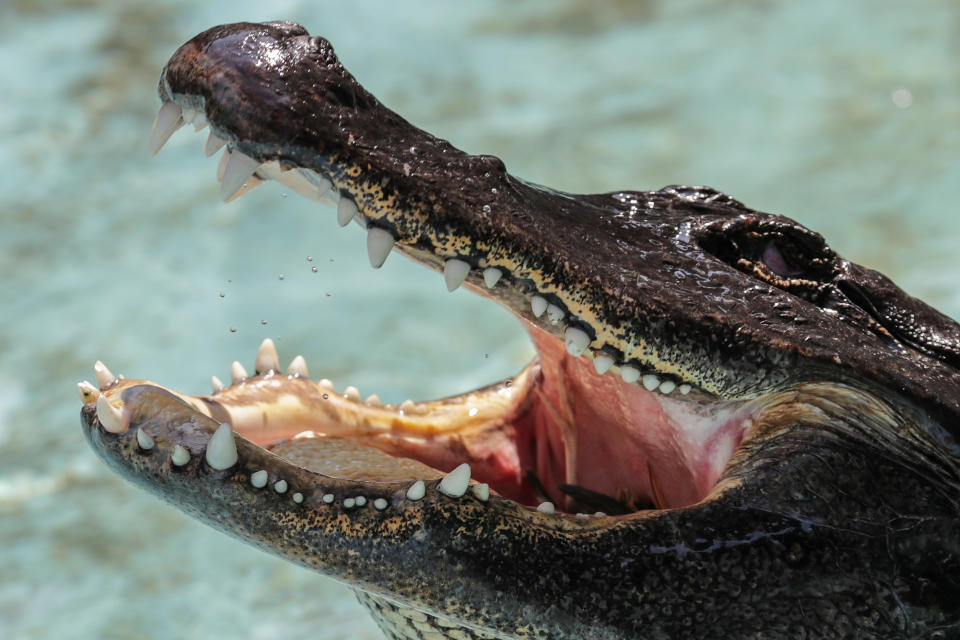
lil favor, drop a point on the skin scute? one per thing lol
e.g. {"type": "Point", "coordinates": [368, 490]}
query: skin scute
{"type": "Point", "coordinates": [772, 428]}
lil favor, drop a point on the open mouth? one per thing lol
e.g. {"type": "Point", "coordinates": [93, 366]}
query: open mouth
{"type": "Point", "coordinates": [585, 428]}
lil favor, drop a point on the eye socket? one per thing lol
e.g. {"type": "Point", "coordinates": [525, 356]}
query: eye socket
{"type": "Point", "coordinates": [774, 259]}
{"type": "Point", "coordinates": [785, 255]}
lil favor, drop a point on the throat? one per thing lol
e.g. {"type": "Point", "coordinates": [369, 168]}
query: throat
{"type": "Point", "coordinates": [593, 439]}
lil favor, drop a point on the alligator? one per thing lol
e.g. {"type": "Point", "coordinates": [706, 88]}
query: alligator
{"type": "Point", "coordinates": [728, 429]}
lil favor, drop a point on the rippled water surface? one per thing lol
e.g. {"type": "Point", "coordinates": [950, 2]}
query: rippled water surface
{"type": "Point", "coordinates": [843, 115]}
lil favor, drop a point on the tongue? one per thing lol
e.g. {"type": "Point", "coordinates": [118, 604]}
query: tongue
{"type": "Point", "coordinates": [350, 460]}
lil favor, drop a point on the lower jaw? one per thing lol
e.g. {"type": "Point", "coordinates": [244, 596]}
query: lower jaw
{"type": "Point", "coordinates": [556, 432]}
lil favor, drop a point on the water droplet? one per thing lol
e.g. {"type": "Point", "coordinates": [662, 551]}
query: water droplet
{"type": "Point", "coordinates": [222, 294]}
{"type": "Point", "coordinates": [263, 322]}
{"type": "Point", "coordinates": [509, 383]}
{"type": "Point", "coordinates": [314, 269]}
{"type": "Point", "coordinates": [486, 208]}
{"type": "Point", "coordinates": [281, 276]}
{"type": "Point", "coordinates": [309, 258]}
{"type": "Point", "coordinates": [494, 191]}
{"type": "Point", "coordinates": [283, 195]}
{"type": "Point", "coordinates": [326, 396]}
{"type": "Point", "coordinates": [233, 329]}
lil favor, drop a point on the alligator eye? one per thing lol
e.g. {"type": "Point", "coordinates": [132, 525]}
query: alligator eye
{"type": "Point", "coordinates": [775, 261]}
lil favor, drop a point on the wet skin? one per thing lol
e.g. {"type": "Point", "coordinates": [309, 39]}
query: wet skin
{"type": "Point", "coordinates": [772, 429]}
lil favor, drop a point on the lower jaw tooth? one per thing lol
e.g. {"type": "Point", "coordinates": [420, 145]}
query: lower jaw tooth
{"type": "Point", "coordinates": [237, 373]}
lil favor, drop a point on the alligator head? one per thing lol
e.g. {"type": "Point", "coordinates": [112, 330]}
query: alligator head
{"type": "Point", "coordinates": [728, 431]}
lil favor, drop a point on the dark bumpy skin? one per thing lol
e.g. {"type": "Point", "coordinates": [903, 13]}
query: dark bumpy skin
{"type": "Point", "coordinates": [838, 515]}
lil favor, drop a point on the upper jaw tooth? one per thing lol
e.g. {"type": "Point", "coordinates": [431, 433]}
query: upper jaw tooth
{"type": "Point", "coordinates": [455, 272]}
{"type": "Point", "coordinates": [346, 209]}
{"type": "Point", "coordinates": [168, 120]}
{"type": "Point", "coordinates": [379, 243]}
{"type": "Point", "coordinates": [240, 168]}
{"type": "Point", "coordinates": [213, 144]}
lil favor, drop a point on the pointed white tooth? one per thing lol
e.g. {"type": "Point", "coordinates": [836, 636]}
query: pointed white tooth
{"type": "Point", "coordinates": [259, 478]}
{"type": "Point", "coordinates": [455, 483]}
{"type": "Point", "coordinates": [373, 400]}
{"type": "Point", "coordinates": [602, 363]}
{"type": "Point", "coordinates": [239, 169]}
{"type": "Point", "coordinates": [326, 384]}
{"type": "Point", "coordinates": [379, 243]}
{"type": "Point", "coordinates": [650, 382]}
{"type": "Point", "coordinates": [417, 490]}
{"type": "Point", "coordinates": [297, 180]}
{"type": "Point", "coordinates": [217, 384]}
{"type": "Point", "coordinates": [482, 491]}
{"type": "Point", "coordinates": [577, 340]}
{"type": "Point", "coordinates": [352, 393]}
{"type": "Point", "coordinates": [538, 305]}
{"type": "Point", "coordinates": [685, 389]}
{"type": "Point", "coordinates": [269, 170]}
{"type": "Point", "coordinates": [144, 440]}
{"type": "Point", "coordinates": [267, 358]}
{"type": "Point", "coordinates": [222, 448]}
{"type": "Point", "coordinates": [491, 276]}
{"type": "Point", "coordinates": [104, 376]}
{"type": "Point", "coordinates": [180, 455]}
{"type": "Point", "coordinates": [407, 406]}
{"type": "Point", "coordinates": [237, 373]}
{"type": "Point", "coordinates": [629, 373]}
{"type": "Point", "coordinates": [188, 114]}
{"type": "Point", "coordinates": [222, 164]}
{"type": "Point", "coordinates": [546, 507]}
{"type": "Point", "coordinates": [379, 504]}
{"type": "Point", "coordinates": [111, 418]}
{"type": "Point", "coordinates": [455, 272]}
{"type": "Point", "coordinates": [667, 386]}
{"type": "Point", "coordinates": [88, 392]}
{"type": "Point", "coordinates": [213, 144]}
{"type": "Point", "coordinates": [200, 121]}
{"type": "Point", "coordinates": [554, 313]}
{"type": "Point", "coordinates": [248, 185]}
{"type": "Point", "coordinates": [168, 120]}
{"type": "Point", "coordinates": [346, 209]}
{"type": "Point", "coordinates": [298, 367]}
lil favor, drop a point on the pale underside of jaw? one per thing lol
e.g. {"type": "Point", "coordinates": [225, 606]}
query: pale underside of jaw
{"type": "Point", "coordinates": [668, 452]}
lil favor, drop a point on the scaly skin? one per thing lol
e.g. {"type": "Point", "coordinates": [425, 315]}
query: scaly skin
{"type": "Point", "coordinates": [837, 516]}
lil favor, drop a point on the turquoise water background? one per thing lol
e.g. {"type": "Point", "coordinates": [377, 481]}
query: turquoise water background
{"type": "Point", "coordinates": [843, 115]}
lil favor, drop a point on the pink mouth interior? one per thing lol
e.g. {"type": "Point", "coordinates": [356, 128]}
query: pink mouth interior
{"type": "Point", "coordinates": [572, 426]}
